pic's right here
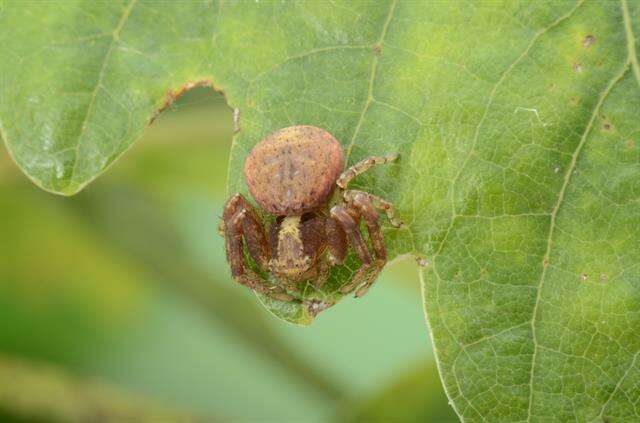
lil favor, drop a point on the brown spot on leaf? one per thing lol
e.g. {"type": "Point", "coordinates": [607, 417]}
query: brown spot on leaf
{"type": "Point", "coordinates": [422, 262]}
{"type": "Point", "coordinates": [574, 100]}
{"type": "Point", "coordinates": [631, 144]}
{"type": "Point", "coordinates": [577, 66]}
{"type": "Point", "coordinates": [584, 276]}
{"type": "Point", "coordinates": [377, 49]}
{"type": "Point", "coordinates": [588, 41]}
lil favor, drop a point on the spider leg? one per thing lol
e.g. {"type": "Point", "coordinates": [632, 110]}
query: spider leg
{"type": "Point", "coordinates": [366, 209]}
{"type": "Point", "coordinates": [362, 202]}
{"type": "Point", "coordinates": [336, 242]}
{"type": "Point", "coordinates": [379, 203]}
{"type": "Point", "coordinates": [251, 228]}
{"type": "Point", "coordinates": [241, 221]}
{"type": "Point", "coordinates": [321, 274]}
{"type": "Point", "coordinates": [361, 167]}
{"type": "Point", "coordinates": [349, 223]}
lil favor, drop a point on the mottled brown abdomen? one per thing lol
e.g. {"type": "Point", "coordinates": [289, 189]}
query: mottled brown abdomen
{"type": "Point", "coordinates": [294, 170]}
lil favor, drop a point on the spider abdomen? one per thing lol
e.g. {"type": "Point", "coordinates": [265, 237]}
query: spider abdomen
{"type": "Point", "coordinates": [293, 171]}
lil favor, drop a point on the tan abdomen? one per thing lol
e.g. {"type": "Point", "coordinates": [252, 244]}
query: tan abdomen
{"type": "Point", "coordinates": [294, 170]}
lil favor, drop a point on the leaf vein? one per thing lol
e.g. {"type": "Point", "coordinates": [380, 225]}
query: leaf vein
{"type": "Point", "coordinates": [306, 54]}
{"type": "Point", "coordinates": [115, 36]}
{"type": "Point", "coordinates": [374, 67]}
{"type": "Point", "coordinates": [554, 214]}
{"type": "Point", "coordinates": [492, 95]}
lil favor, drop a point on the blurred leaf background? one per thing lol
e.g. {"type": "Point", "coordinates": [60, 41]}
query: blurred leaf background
{"type": "Point", "coordinates": [117, 303]}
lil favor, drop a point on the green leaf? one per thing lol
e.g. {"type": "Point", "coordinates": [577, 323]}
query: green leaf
{"type": "Point", "coordinates": [517, 125]}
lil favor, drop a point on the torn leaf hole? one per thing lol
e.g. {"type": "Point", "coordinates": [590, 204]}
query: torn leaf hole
{"type": "Point", "coordinates": [173, 94]}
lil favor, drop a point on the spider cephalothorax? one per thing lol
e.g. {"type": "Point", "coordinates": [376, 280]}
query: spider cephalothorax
{"type": "Point", "coordinates": [292, 175]}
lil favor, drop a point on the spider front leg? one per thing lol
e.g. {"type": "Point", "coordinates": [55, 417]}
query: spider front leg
{"type": "Point", "coordinates": [241, 221]}
{"type": "Point", "coordinates": [361, 167]}
{"type": "Point", "coordinates": [377, 202]}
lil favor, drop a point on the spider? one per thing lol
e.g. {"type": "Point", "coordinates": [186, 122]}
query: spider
{"type": "Point", "coordinates": [292, 174]}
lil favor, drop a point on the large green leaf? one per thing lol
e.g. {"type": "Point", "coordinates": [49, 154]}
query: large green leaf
{"type": "Point", "coordinates": [518, 129]}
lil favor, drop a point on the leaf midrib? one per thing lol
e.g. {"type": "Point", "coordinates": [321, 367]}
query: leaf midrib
{"type": "Point", "coordinates": [631, 59]}
{"type": "Point", "coordinates": [115, 36]}
{"type": "Point", "coordinates": [374, 68]}
{"type": "Point", "coordinates": [567, 179]}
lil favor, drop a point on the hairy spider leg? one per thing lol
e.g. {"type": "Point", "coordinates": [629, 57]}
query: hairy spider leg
{"type": "Point", "coordinates": [361, 167]}
{"type": "Point", "coordinates": [336, 242]}
{"type": "Point", "coordinates": [241, 221]}
{"type": "Point", "coordinates": [379, 203]}
{"type": "Point", "coordinates": [348, 221]}
{"type": "Point", "coordinates": [362, 204]}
